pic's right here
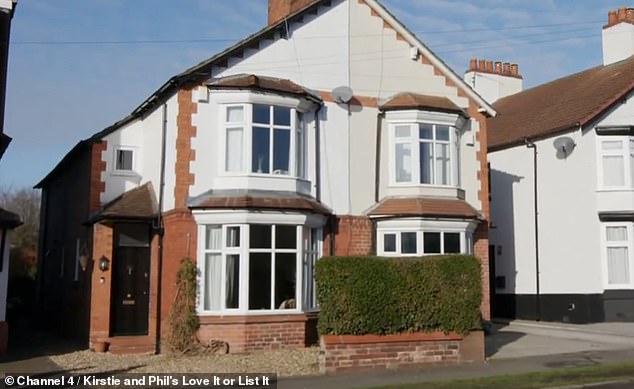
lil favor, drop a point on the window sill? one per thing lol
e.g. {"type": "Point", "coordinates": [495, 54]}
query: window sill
{"type": "Point", "coordinates": [125, 173]}
{"type": "Point", "coordinates": [425, 190]}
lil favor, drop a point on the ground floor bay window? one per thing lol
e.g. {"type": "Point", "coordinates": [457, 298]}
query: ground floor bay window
{"type": "Point", "coordinates": [419, 236]}
{"type": "Point", "coordinates": [257, 264]}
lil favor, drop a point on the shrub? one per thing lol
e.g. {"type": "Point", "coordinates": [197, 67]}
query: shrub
{"type": "Point", "coordinates": [183, 318]}
{"type": "Point", "coordinates": [371, 295]}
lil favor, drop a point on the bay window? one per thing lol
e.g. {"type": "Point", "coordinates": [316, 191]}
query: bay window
{"type": "Point", "coordinates": [424, 153]}
{"type": "Point", "coordinates": [258, 267]}
{"type": "Point", "coordinates": [417, 236]}
{"type": "Point", "coordinates": [263, 139]}
{"type": "Point", "coordinates": [616, 159]}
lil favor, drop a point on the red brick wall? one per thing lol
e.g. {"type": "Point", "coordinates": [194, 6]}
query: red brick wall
{"type": "Point", "coordinates": [101, 283]}
{"type": "Point", "coordinates": [184, 153]}
{"type": "Point", "coordinates": [179, 242]}
{"type": "Point", "coordinates": [353, 236]}
{"type": "Point", "coordinates": [97, 166]}
{"type": "Point", "coordinates": [253, 333]}
{"type": "Point", "coordinates": [481, 251]}
{"type": "Point", "coordinates": [366, 352]}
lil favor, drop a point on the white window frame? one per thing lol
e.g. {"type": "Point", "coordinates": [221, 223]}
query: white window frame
{"type": "Point", "coordinates": [420, 226]}
{"type": "Point", "coordinates": [414, 119]}
{"type": "Point", "coordinates": [605, 244]}
{"type": "Point", "coordinates": [125, 172]}
{"type": "Point", "coordinates": [626, 152]}
{"type": "Point", "coordinates": [244, 219]}
{"type": "Point", "coordinates": [297, 158]}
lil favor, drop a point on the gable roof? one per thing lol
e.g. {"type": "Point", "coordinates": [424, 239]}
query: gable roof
{"type": "Point", "coordinates": [560, 105]}
{"type": "Point", "coordinates": [202, 71]}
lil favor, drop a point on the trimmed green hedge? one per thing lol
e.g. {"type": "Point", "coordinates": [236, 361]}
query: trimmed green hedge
{"type": "Point", "coordinates": [371, 295]}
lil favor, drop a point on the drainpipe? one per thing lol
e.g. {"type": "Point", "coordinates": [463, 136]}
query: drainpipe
{"type": "Point", "coordinates": [538, 308]}
{"type": "Point", "coordinates": [377, 162]}
{"type": "Point", "coordinates": [318, 154]}
{"type": "Point", "coordinates": [160, 231]}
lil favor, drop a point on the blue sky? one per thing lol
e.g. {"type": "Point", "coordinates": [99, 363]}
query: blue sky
{"type": "Point", "coordinates": [77, 66]}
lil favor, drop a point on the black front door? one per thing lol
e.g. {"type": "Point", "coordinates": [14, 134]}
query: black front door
{"type": "Point", "coordinates": [130, 280]}
{"type": "Point", "coordinates": [492, 281]}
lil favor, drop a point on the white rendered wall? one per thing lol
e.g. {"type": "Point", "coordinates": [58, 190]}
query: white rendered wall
{"type": "Point", "coordinates": [569, 248]}
{"type": "Point", "coordinates": [144, 137]}
{"type": "Point", "coordinates": [4, 275]}
{"type": "Point", "coordinates": [493, 87]}
{"type": "Point", "coordinates": [618, 42]}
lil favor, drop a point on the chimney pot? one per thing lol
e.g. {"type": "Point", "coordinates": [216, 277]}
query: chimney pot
{"type": "Point", "coordinates": [490, 66]}
{"type": "Point", "coordinates": [482, 65]}
{"type": "Point", "coordinates": [629, 14]}
{"type": "Point", "coordinates": [622, 14]}
{"type": "Point", "coordinates": [507, 68]}
{"type": "Point", "coordinates": [612, 18]}
{"type": "Point", "coordinates": [498, 67]}
{"type": "Point", "coordinates": [473, 64]}
{"type": "Point", "coordinates": [514, 70]}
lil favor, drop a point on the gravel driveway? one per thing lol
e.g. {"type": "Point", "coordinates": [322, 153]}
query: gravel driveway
{"type": "Point", "coordinates": [283, 362]}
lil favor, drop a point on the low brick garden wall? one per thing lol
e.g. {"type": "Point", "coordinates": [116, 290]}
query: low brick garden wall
{"type": "Point", "coordinates": [339, 353]}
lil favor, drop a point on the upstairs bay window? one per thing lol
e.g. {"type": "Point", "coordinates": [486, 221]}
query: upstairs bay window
{"type": "Point", "coordinates": [617, 162]}
{"type": "Point", "coordinates": [263, 139]}
{"type": "Point", "coordinates": [424, 154]}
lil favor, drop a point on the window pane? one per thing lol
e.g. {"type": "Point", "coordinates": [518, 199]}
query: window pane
{"type": "Point", "coordinates": [426, 163]}
{"type": "Point", "coordinates": [213, 282]}
{"type": "Point", "coordinates": [442, 133]}
{"type": "Point", "coordinates": [233, 157]}
{"type": "Point", "coordinates": [616, 234]}
{"type": "Point", "coordinates": [260, 281]}
{"type": "Point", "coordinates": [611, 145]}
{"type": "Point", "coordinates": [426, 131]}
{"type": "Point", "coordinates": [403, 161]}
{"type": "Point", "coordinates": [260, 236]}
{"type": "Point", "coordinates": [214, 238]}
{"type": "Point", "coordinates": [282, 116]}
{"type": "Point", "coordinates": [285, 271]}
{"type": "Point", "coordinates": [389, 243]}
{"type": "Point", "coordinates": [235, 114]}
{"type": "Point", "coordinates": [408, 243]}
{"type": "Point", "coordinates": [281, 151]}
{"type": "Point", "coordinates": [618, 267]}
{"type": "Point", "coordinates": [260, 150]}
{"type": "Point", "coordinates": [451, 242]}
{"type": "Point", "coordinates": [232, 289]}
{"type": "Point", "coordinates": [402, 131]}
{"type": "Point", "coordinates": [442, 164]}
{"type": "Point", "coordinates": [299, 151]}
{"type": "Point", "coordinates": [261, 114]}
{"type": "Point", "coordinates": [124, 159]}
{"type": "Point", "coordinates": [285, 237]}
{"type": "Point", "coordinates": [233, 236]}
{"type": "Point", "coordinates": [613, 170]}
{"type": "Point", "coordinates": [431, 242]}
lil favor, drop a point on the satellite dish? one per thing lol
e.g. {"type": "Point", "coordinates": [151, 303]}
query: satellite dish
{"type": "Point", "coordinates": [342, 94]}
{"type": "Point", "coordinates": [564, 146]}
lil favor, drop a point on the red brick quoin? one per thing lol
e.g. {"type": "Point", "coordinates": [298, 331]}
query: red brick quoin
{"type": "Point", "coordinates": [341, 353]}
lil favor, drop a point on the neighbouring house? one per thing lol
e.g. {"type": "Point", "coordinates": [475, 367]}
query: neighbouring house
{"type": "Point", "coordinates": [8, 220]}
{"type": "Point", "coordinates": [333, 130]}
{"type": "Point", "coordinates": [562, 189]}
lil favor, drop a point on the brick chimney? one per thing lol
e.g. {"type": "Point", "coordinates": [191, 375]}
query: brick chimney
{"type": "Point", "coordinates": [279, 9]}
{"type": "Point", "coordinates": [618, 35]}
{"type": "Point", "coordinates": [493, 80]}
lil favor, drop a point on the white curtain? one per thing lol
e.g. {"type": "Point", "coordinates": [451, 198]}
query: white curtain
{"type": "Point", "coordinates": [618, 265]}
{"type": "Point", "coordinates": [233, 157]}
{"type": "Point", "coordinates": [213, 281]}
{"type": "Point", "coordinates": [613, 170]}
{"type": "Point", "coordinates": [403, 159]}
{"type": "Point", "coordinates": [442, 164]}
